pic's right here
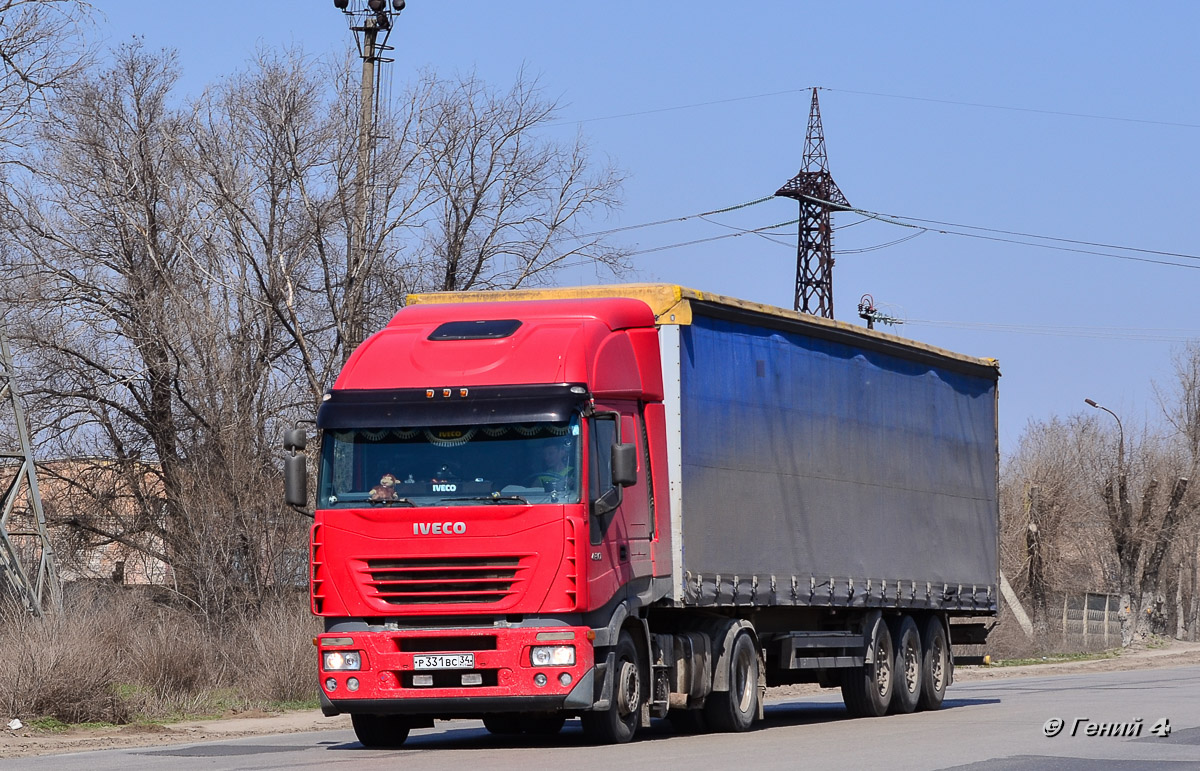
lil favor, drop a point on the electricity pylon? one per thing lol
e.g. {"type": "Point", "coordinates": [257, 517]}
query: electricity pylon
{"type": "Point", "coordinates": [819, 196]}
{"type": "Point", "coordinates": [30, 572]}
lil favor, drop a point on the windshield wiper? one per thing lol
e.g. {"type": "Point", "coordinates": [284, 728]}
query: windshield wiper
{"type": "Point", "coordinates": [390, 501]}
{"type": "Point", "coordinates": [493, 498]}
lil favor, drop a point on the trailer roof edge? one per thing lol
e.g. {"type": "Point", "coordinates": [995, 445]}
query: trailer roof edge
{"type": "Point", "coordinates": [675, 304]}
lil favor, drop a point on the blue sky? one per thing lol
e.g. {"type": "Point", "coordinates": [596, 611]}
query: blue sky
{"type": "Point", "coordinates": [901, 138]}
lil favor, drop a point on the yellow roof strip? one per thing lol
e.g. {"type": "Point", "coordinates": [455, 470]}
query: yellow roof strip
{"type": "Point", "coordinates": [671, 304]}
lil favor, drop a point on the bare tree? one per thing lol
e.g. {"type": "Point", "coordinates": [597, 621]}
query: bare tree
{"type": "Point", "coordinates": [1180, 403]}
{"type": "Point", "coordinates": [153, 366]}
{"type": "Point", "coordinates": [508, 203]}
{"type": "Point", "coordinates": [40, 48]}
{"type": "Point", "coordinates": [186, 283]}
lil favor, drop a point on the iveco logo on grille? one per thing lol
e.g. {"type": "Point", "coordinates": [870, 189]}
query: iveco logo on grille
{"type": "Point", "coordinates": [445, 488]}
{"type": "Point", "coordinates": [439, 528]}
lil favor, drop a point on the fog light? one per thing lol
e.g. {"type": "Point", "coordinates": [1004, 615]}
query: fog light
{"type": "Point", "coordinates": [565, 679]}
{"type": "Point", "coordinates": [330, 684]}
{"type": "Point", "coordinates": [552, 656]}
{"type": "Point", "coordinates": [342, 660]}
{"type": "Point", "coordinates": [422, 681]}
{"type": "Point", "coordinates": [352, 684]}
{"type": "Point", "coordinates": [472, 679]}
{"type": "Point", "coordinates": [539, 679]}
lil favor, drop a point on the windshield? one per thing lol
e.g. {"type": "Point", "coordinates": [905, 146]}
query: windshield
{"type": "Point", "coordinates": [451, 465]}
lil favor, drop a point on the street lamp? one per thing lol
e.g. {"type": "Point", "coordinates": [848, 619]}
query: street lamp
{"type": "Point", "coordinates": [1120, 433]}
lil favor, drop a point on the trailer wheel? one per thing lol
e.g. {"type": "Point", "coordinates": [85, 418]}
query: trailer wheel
{"type": "Point", "coordinates": [867, 690]}
{"type": "Point", "coordinates": [375, 731]}
{"type": "Point", "coordinates": [908, 668]}
{"type": "Point", "coordinates": [733, 711]}
{"type": "Point", "coordinates": [617, 724]}
{"type": "Point", "coordinates": [935, 667]}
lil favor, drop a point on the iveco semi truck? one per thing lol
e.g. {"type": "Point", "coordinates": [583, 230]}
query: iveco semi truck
{"type": "Point", "coordinates": [623, 503]}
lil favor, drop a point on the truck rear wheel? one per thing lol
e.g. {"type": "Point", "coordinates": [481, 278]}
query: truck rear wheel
{"type": "Point", "coordinates": [617, 724]}
{"type": "Point", "coordinates": [935, 666]}
{"type": "Point", "coordinates": [867, 690]}
{"type": "Point", "coordinates": [374, 731]}
{"type": "Point", "coordinates": [733, 711]}
{"type": "Point", "coordinates": [908, 668]}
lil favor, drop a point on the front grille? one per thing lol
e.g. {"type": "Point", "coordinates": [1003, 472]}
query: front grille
{"type": "Point", "coordinates": [445, 580]}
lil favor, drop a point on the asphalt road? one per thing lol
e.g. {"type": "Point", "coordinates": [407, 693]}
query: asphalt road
{"type": "Point", "coordinates": [994, 725]}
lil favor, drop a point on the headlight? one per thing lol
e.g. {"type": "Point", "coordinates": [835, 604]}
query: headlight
{"type": "Point", "coordinates": [552, 656]}
{"type": "Point", "coordinates": [335, 660]}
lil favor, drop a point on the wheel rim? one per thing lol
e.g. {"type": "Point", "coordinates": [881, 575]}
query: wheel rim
{"type": "Point", "coordinates": [937, 669]}
{"type": "Point", "coordinates": [912, 666]}
{"type": "Point", "coordinates": [630, 688]}
{"type": "Point", "coordinates": [883, 671]}
{"type": "Point", "coordinates": [741, 680]}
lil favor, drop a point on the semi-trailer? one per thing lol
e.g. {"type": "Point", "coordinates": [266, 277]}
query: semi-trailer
{"type": "Point", "coordinates": [629, 502]}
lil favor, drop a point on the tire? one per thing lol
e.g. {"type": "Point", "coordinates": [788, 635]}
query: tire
{"type": "Point", "coordinates": [733, 711]}
{"type": "Point", "coordinates": [935, 664]}
{"type": "Point", "coordinates": [867, 690]}
{"type": "Point", "coordinates": [503, 724]}
{"type": "Point", "coordinates": [617, 724]}
{"type": "Point", "coordinates": [380, 731]}
{"type": "Point", "coordinates": [688, 721]}
{"type": "Point", "coordinates": [908, 666]}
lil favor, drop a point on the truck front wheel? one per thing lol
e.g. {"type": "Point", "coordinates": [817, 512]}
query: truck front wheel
{"type": "Point", "coordinates": [374, 731]}
{"type": "Point", "coordinates": [617, 724]}
{"type": "Point", "coordinates": [733, 711]}
{"type": "Point", "coordinates": [867, 690]}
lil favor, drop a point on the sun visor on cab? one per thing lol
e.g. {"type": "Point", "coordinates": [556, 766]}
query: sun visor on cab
{"type": "Point", "coordinates": [411, 407]}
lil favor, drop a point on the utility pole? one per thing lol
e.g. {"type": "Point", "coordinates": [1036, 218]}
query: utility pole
{"type": "Point", "coordinates": [371, 23]}
{"type": "Point", "coordinates": [819, 197]}
{"type": "Point", "coordinates": [29, 573]}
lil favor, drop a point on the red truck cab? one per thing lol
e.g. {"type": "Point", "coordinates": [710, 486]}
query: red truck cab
{"type": "Point", "coordinates": [486, 515]}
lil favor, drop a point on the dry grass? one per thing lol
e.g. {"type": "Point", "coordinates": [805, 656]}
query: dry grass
{"type": "Point", "coordinates": [117, 657]}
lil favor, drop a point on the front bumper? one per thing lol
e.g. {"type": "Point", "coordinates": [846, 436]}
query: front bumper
{"type": "Point", "coordinates": [387, 681]}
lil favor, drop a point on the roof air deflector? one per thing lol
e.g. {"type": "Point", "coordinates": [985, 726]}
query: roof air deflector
{"type": "Point", "coordinates": [490, 329]}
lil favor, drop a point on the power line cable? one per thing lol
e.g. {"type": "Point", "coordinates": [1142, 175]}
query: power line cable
{"type": "Point", "coordinates": [1011, 108]}
{"type": "Point", "coordinates": [673, 108]}
{"type": "Point", "coordinates": [1100, 333]}
{"type": "Point", "coordinates": [906, 97]}
{"type": "Point", "coordinates": [665, 247]}
{"type": "Point", "coordinates": [897, 219]}
{"type": "Point", "coordinates": [684, 218]}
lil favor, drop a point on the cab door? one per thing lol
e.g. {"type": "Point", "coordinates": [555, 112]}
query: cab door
{"type": "Point", "coordinates": [619, 537]}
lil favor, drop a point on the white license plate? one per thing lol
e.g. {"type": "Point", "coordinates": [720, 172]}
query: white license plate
{"type": "Point", "coordinates": [445, 661]}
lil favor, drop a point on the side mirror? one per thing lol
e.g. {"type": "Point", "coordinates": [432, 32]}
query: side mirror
{"type": "Point", "coordinates": [624, 464]}
{"type": "Point", "coordinates": [295, 469]}
{"type": "Point", "coordinates": [295, 440]}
